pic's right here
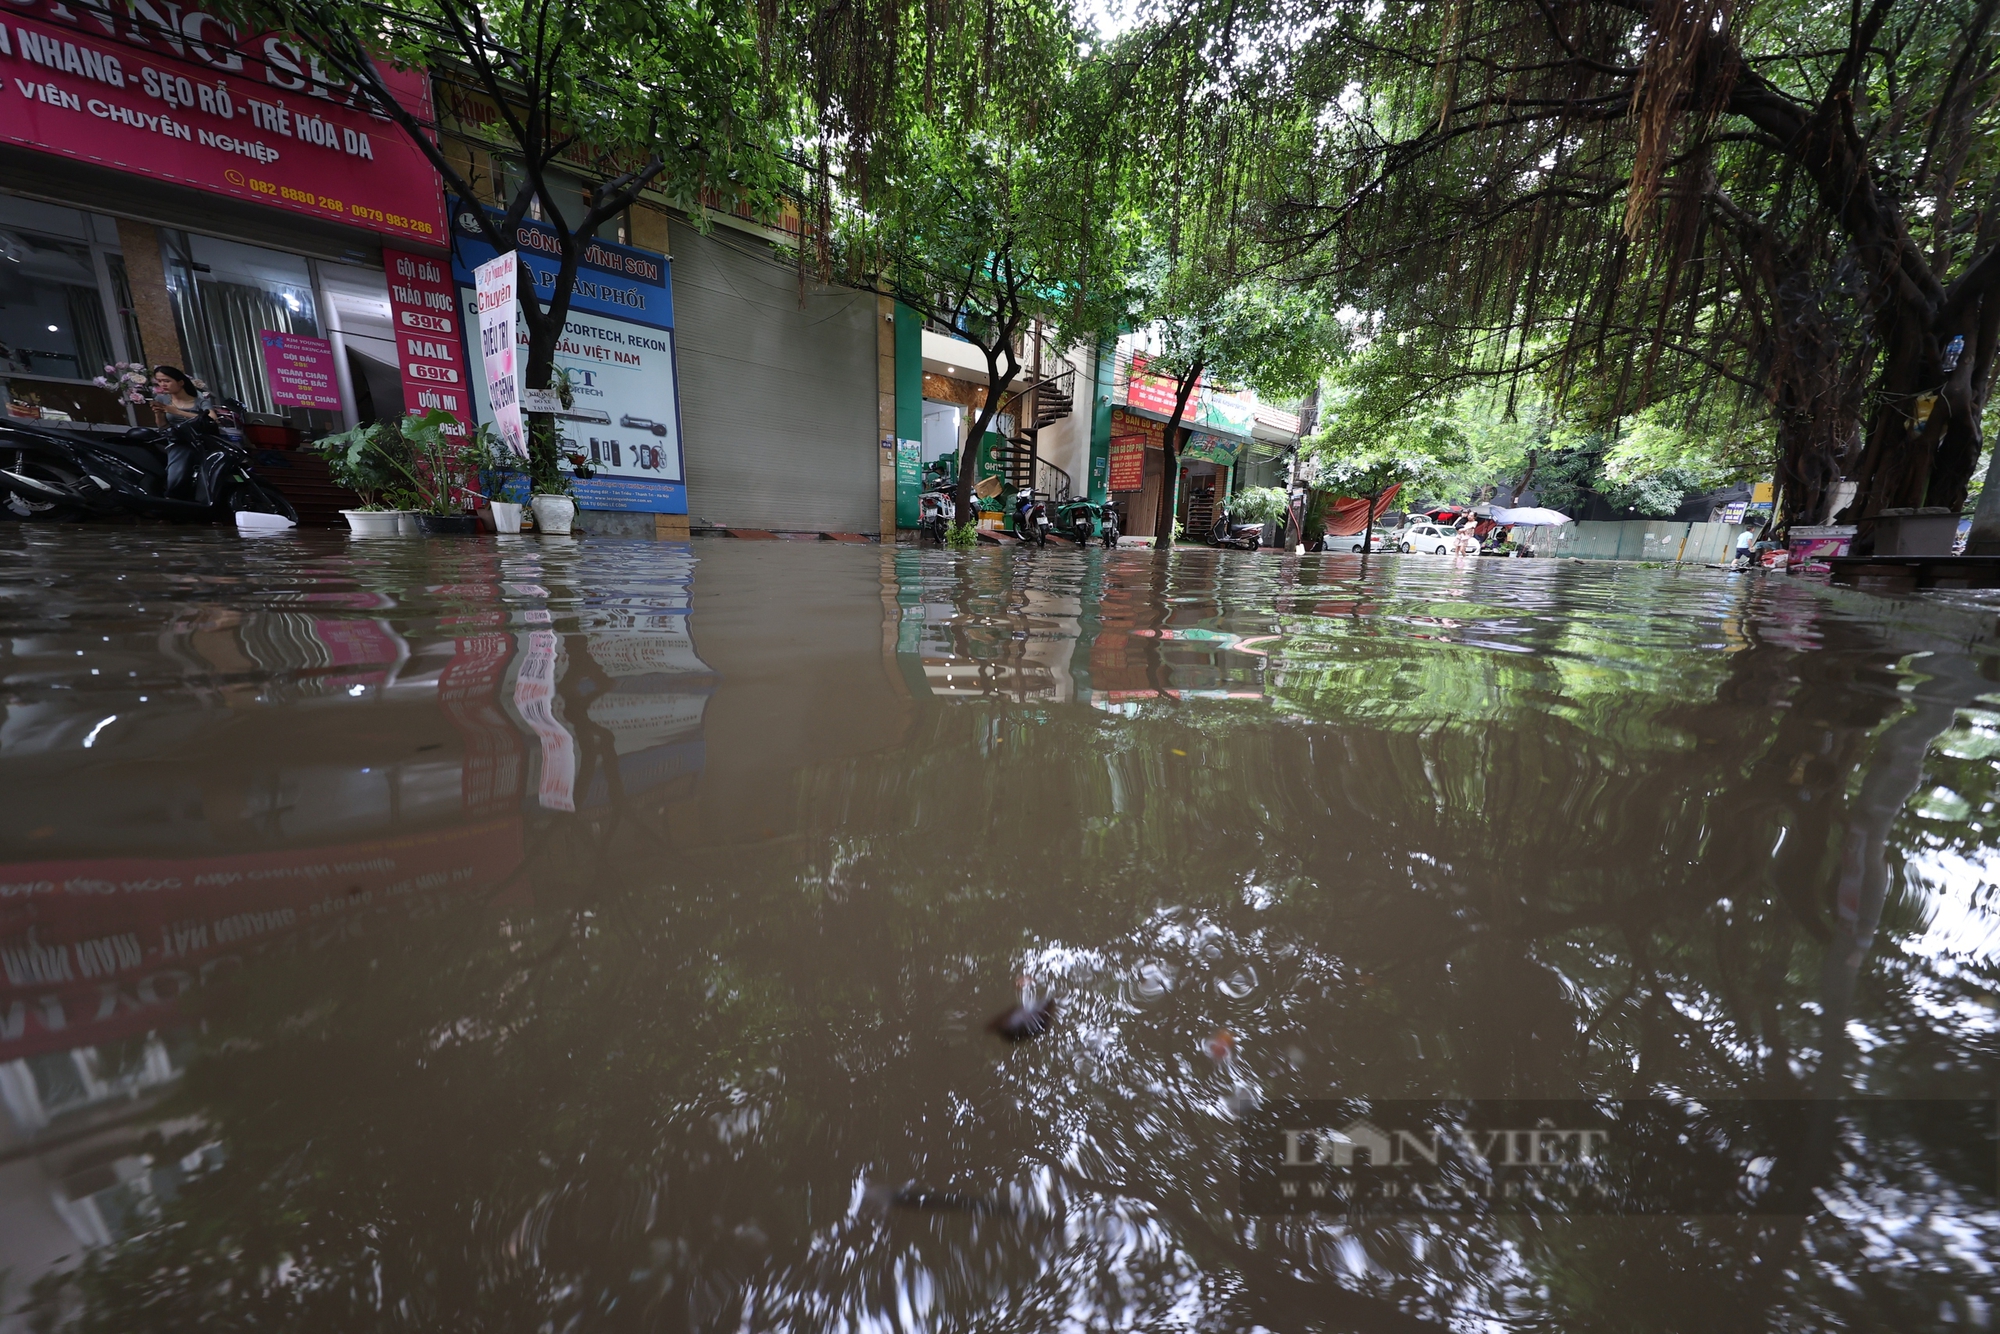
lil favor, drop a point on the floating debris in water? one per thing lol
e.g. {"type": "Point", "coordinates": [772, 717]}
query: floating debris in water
{"type": "Point", "coordinates": [1030, 1019]}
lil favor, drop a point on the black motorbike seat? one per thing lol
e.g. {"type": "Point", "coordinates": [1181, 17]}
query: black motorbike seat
{"type": "Point", "coordinates": [148, 454]}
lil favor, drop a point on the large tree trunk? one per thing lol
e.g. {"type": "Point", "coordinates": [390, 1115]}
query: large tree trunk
{"type": "Point", "coordinates": [1170, 441]}
{"type": "Point", "coordinates": [544, 332]}
{"type": "Point", "coordinates": [1924, 437]}
{"type": "Point", "coordinates": [1814, 385]}
{"type": "Point", "coordinates": [1001, 368]}
{"type": "Point", "coordinates": [1904, 462]}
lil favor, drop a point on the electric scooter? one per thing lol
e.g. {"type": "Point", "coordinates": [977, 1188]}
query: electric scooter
{"type": "Point", "coordinates": [1243, 536]}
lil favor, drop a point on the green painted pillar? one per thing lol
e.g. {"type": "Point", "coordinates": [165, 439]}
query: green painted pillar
{"type": "Point", "coordinates": [1100, 420]}
{"type": "Point", "coordinates": [909, 415]}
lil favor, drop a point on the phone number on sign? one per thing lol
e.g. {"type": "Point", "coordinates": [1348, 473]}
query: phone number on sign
{"type": "Point", "coordinates": [312, 200]}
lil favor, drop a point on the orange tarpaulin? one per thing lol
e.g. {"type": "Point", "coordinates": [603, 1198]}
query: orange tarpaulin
{"type": "Point", "coordinates": [1348, 515]}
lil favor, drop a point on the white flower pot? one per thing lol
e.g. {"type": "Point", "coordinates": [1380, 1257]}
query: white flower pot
{"type": "Point", "coordinates": [554, 514]}
{"type": "Point", "coordinates": [506, 516]}
{"type": "Point", "coordinates": [375, 523]}
{"type": "Point", "coordinates": [407, 523]}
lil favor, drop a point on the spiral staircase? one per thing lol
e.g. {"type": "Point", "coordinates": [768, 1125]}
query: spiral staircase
{"type": "Point", "coordinates": [1038, 406]}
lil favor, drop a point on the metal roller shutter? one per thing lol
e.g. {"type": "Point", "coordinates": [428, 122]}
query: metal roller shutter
{"type": "Point", "coordinates": [778, 402]}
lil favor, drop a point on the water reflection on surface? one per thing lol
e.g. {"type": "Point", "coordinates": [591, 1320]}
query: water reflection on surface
{"type": "Point", "coordinates": [552, 935]}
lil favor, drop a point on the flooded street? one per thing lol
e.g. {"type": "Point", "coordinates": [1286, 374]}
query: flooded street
{"type": "Point", "coordinates": [549, 935]}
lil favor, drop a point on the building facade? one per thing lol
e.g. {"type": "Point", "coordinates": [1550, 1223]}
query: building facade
{"type": "Point", "coordinates": [174, 193]}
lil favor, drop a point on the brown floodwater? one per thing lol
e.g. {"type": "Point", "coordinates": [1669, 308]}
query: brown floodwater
{"type": "Point", "coordinates": [568, 936]}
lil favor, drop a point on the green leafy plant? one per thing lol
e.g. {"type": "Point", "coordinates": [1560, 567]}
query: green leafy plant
{"type": "Point", "coordinates": [1258, 504]}
{"type": "Point", "coordinates": [496, 466]}
{"type": "Point", "coordinates": [412, 462]}
{"type": "Point", "coordinates": [962, 536]}
{"type": "Point", "coordinates": [545, 459]}
{"type": "Point", "coordinates": [366, 460]}
{"type": "Point", "coordinates": [439, 462]}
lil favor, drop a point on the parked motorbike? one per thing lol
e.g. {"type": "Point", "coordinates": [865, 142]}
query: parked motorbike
{"type": "Point", "coordinates": [1241, 535]}
{"type": "Point", "coordinates": [936, 512]}
{"type": "Point", "coordinates": [193, 472]}
{"type": "Point", "coordinates": [1082, 520]}
{"type": "Point", "coordinates": [1031, 517]}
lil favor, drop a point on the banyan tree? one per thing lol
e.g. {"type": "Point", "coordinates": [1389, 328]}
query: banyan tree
{"type": "Point", "coordinates": [1792, 205]}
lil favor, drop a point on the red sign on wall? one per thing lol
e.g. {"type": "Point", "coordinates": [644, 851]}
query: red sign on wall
{"type": "Point", "coordinates": [1128, 463]}
{"type": "Point", "coordinates": [1154, 394]}
{"type": "Point", "coordinates": [429, 349]}
{"type": "Point", "coordinates": [180, 95]}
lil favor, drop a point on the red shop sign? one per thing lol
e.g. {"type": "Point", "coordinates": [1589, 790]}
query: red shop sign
{"type": "Point", "coordinates": [1150, 393]}
{"type": "Point", "coordinates": [1128, 463]}
{"type": "Point", "coordinates": [424, 309]}
{"type": "Point", "coordinates": [177, 95]}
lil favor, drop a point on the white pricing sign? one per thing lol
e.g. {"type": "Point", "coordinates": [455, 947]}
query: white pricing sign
{"type": "Point", "coordinates": [499, 306]}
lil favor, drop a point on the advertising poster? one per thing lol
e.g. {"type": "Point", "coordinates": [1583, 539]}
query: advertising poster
{"type": "Point", "coordinates": [498, 311]}
{"type": "Point", "coordinates": [909, 482]}
{"type": "Point", "coordinates": [300, 370]}
{"type": "Point", "coordinates": [1206, 406]}
{"type": "Point", "coordinates": [423, 307]}
{"type": "Point", "coordinates": [617, 351]}
{"type": "Point", "coordinates": [1211, 448]}
{"type": "Point", "coordinates": [187, 96]}
{"type": "Point", "coordinates": [1128, 462]}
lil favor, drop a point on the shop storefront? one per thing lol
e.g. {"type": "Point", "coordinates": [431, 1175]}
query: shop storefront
{"type": "Point", "coordinates": [174, 192]}
{"type": "Point", "coordinates": [617, 356]}
{"type": "Point", "coordinates": [1228, 437]}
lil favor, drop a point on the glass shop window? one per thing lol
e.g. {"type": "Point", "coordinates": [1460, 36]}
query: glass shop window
{"type": "Point", "coordinates": [225, 293]}
{"type": "Point", "coordinates": [55, 332]}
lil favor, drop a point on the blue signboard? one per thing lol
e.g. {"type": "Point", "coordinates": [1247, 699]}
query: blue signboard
{"type": "Point", "coordinates": [617, 351]}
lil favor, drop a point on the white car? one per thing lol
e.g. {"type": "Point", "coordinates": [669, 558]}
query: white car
{"type": "Point", "coordinates": [1429, 538]}
{"type": "Point", "coordinates": [1381, 541]}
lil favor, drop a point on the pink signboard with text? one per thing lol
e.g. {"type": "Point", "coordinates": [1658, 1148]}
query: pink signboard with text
{"type": "Point", "coordinates": [300, 370]}
{"type": "Point", "coordinates": [182, 95]}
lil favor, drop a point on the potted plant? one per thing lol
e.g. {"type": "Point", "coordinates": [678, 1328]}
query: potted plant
{"type": "Point", "coordinates": [554, 504]}
{"type": "Point", "coordinates": [367, 461]}
{"type": "Point", "coordinates": [503, 478]}
{"type": "Point", "coordinates": [437, 472]}
{"type": "Point", "coordinates": [408, 472]}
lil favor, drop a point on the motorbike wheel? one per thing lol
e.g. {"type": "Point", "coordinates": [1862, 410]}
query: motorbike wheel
{"type": "Point", "coordinates": [1110, 534]}
{"type": "Point", "coordinates": [14, 506]}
